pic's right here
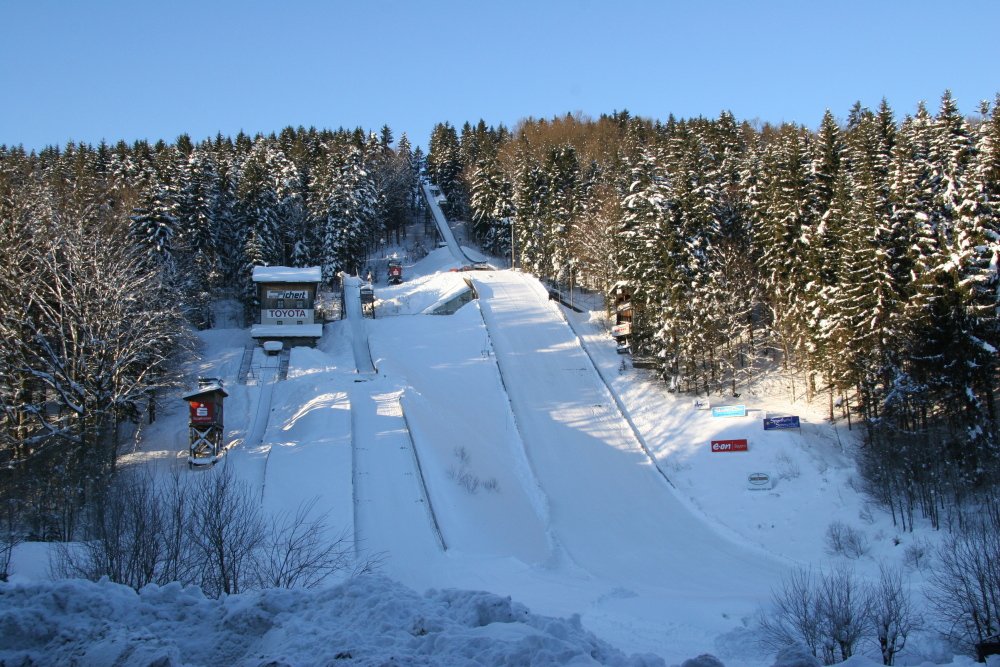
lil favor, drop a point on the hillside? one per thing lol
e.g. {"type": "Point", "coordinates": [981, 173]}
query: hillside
{"type": "Point", "coordinates": [504, 448]}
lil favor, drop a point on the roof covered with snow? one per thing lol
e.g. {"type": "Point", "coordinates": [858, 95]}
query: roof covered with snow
{"type": "Point", "coordinates": [287, 274]}
{"type": "Point", "coordinates": [215, 387]}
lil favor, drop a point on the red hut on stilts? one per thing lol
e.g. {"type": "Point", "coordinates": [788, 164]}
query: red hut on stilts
{"type": "Point", "coordinates": [205, 422]}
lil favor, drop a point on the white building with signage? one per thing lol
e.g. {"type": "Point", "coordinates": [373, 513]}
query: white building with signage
{"type": "Point", "coordinates": [287, 297]}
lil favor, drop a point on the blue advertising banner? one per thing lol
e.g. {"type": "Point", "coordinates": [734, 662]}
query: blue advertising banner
{"type": "Point", "coordinates": [776, 423]}
{"type": "Point", "coordinates": [729, 411]}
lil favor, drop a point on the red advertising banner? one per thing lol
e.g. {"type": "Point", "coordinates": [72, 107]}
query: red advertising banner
{"type": "Point", "coordinates": [730, 446]}
{"type": "Point", "coordinates": [202, 413]}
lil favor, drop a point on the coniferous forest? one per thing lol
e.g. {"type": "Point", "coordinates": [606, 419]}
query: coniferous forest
{"type": "Point", "coordinates": [110, 255]}
{"type": "Point", "coordinates": [860, 258]}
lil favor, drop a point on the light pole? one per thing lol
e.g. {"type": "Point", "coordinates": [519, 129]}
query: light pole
{"type": "Point", "coordinates": [510, 221]}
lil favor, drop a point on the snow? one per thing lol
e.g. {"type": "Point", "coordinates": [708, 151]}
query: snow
{"type": "Point", "coordinates": [368, 620]}
{"type": "Point", "coordinates": [530, 499]}
{"type": "Point", "coordinates": [287, 274]}
{"type": "Point", "coordinates": [208, 388]}
{"type": "Point", "coordinates": [286, 330]}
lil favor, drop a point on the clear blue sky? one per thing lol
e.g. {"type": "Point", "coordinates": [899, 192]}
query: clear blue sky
{"type": "Point", "coordinates": [130, 69]}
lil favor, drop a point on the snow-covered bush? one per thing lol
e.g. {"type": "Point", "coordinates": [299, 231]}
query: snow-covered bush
{"type": "Point", "coordinates": [917, 555]}
{"type": "Point", "coordinates": [846, 541]}
{"type": "Point", "coordinates": [207, 531]}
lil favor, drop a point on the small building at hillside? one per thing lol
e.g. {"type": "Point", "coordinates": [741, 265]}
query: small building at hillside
{"type": "Point", "coordinates": [623, 313]}
{"type": "Point", "coordinates": [287, 297]}
{"type": "Point", "coordinates": [205, 424]}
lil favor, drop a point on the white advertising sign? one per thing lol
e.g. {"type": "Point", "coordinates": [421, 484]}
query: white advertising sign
{"type": "Point", "coordinates": [286, 315]}
{"type": "Point", "coordinates": [623, 329]}
{"type": "Point", "coordinates": [760, 481]}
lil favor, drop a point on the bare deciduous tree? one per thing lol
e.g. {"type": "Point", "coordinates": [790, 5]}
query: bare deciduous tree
{"type": "Point", "coordinates": [226, 528]}
{"type": "Point", "coordinates": [300, 553]}
{"type": "Point", "coordinates": [794, 617]}
{"type": "Point", "coordinates": [10, 534]}
{"type": "Point", "coordinates": [964, 584]}
{"type": "Point", "coordinates": [826, 614]}
{"type": "Point", "coordinates": [891, 613]}
{"type": "Point", "coordinates": [843, 612]}
{"type": "Point", "coordinates": [124, 536]}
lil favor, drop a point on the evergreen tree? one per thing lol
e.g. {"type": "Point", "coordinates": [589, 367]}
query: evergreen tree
{"type": "Point", "coordinates": [560, 208]}
{"type": "Point", "coordinates": [784, 225]}
{"type": "Point", "coordinates": [529, 237]}
{"type": "Point", "coordinates": [642, 262]}
{"type": "Point", "coordinates": [154, 228]}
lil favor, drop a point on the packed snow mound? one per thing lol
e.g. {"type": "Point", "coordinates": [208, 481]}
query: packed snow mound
{"type": "Point", "coordinates": [420, 295]}
{"type": "Point", "coordinates": [439, 260]}
{"type": "Point", "coordinates": [368, 620]}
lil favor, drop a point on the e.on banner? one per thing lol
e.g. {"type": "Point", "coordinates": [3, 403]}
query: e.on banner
{"type": "Point", "coordinates": [730, 446]}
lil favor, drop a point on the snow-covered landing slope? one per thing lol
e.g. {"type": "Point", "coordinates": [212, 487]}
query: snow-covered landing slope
{"type": "Point", "coordinates": [610, 508]}
{"type": "Point", "coordinates": [482, 490]}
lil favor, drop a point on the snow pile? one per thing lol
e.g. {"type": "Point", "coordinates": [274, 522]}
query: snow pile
{"type": "Point", "coordinates": [368, 620]}
{"type": "Point", "coordinates": [420, 294]}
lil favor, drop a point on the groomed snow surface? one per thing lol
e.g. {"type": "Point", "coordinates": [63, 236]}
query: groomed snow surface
{"type": "Point", "coordinates": [531, 499]}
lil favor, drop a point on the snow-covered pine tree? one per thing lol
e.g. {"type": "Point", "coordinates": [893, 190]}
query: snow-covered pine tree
{"type": "Point", "coordinates": [198, 235]}
{"type": "Point", "coordinates": [866, 296]}
{"type": "Point", "coordinates": [444, 165]}
{"type": "Point", "coordinates": [529, 193]}
{"type": "Point", "coordinates": [732, 286]}
{"type": "Point", "coordinates": [491, 203]}
{"type": "Point", "coordinates": [562, 172]}
{"type": "Point", "coordinates": [976, 256]}
{"type": "Point", "coordinates": [784, 222]}
{"type": "Point", "coordinates": [153, 227]}
{"type": "Point", "coordinates": [257, 215]}
{"type": "Point", "coordinates": [344, 212]}
{"type": "Point", "coordinates": [688, 329]}
{"type": "Point", "coordinates": [642, 260]}
{"type": "Point", "coordinates": [931, 400]}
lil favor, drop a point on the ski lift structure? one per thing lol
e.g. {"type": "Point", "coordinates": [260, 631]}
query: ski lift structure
{"type": "Point", "coordinates": [205, 423]}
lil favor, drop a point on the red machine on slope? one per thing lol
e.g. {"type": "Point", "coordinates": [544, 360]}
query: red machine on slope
{"type": "Point", "coordinates": [395, 272]}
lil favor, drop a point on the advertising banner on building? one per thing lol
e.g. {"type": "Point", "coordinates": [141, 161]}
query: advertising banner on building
{"type": "Point", "coordinates": [729, 411]}
{"type": "Point", "coordinates": [288, 294]}
{"type": "Point", "coordinates": [740, 445]}
{"type": "Point", "coordinates": [779, 423]}
{"type": "Point", "coordinates": [202, 413]}
{"type": "Point", "coordinates": [623, 329]}
{"type": "Point", "coordinates": [286, 315]}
